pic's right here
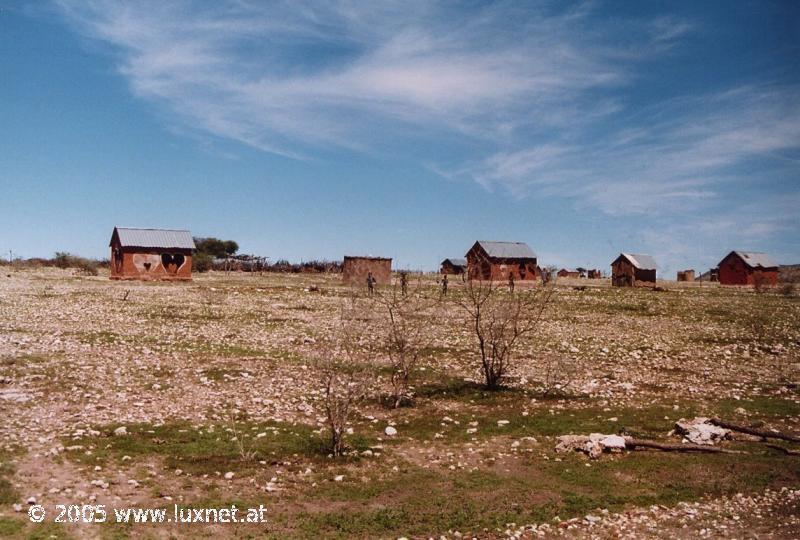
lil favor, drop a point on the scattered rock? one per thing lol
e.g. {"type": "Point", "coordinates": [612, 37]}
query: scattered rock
{"type": "Point", "coordinates": [593, 445]}
{"type": "Point", "coordinates": [700, 430]}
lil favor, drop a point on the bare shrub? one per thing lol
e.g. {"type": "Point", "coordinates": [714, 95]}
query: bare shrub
{"type": "Point", "coordinates": [760, 321]}
{"type": "Point", "coordinates": [246, 452]}
{"type": "Point", "coordinates": [557, 373]}
{"type": "Point", "coordinates": [501, 322]}
{"type": "Point", "coordinates": [405, 336]}
{"type": "Point", "coordinates": [789, 279]}
{"type": "Point", "coordinates": [80, 264]}
{"type": "Point", "coordinates": [343, 374]}
{"type": "Point", "coordinates": [86, 266]}
{"type": "Point", "coordinates": [760, 282]}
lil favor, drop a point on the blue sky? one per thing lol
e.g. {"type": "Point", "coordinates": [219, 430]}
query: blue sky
{"type": "Point", "coordinates": [409, 130]}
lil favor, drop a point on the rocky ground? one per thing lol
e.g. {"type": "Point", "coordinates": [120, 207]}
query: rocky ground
{"type": "Point", "coordinates": [216, 384]}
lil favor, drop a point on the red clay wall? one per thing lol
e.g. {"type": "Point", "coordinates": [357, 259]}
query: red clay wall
{"type": "Point", "coordinates": [733, 271]}
{"type": "Point", "coordinates": [451, 270]}
{"type": "Point", "coordinates": [624, 274]}
{"type": "Point", "coordinates": [482, 268]}
{"type": "Point", "coordinates": [151, 265]}
{"type": "Point", "coordinates": [355, 270]}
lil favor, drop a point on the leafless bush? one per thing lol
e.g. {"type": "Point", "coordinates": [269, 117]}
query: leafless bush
{"type": "Point", "coordinates": [760, 321]}
{"type": "Point", "coordinates": [81, 264]}
{"type": "Point", "coordinates": [501, 323]}
{"type": "Point", "coordinates": [557, 373]}
{"type": "Point", "coordinates": [315, 266]}
{"type": "Point", "coordinates": [344, 377]}
{"type": "Point", "coordinates": [760, 282]}
{"type": "Point", "coordinates": [405, 324]}
{"type": "Point", "coordinates": [246, 452]}
{"type": "Point", "coordinates": [789, 280]}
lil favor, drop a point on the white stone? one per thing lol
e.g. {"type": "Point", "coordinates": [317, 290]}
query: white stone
{"type": "Point", "coordinates": [613, 442]}
{"type": "Point", "coordinates": [390, 431]}
{"type": "Point", "coordinates": [122, 430]}
{"type": "Point", "coordinates": [700, 430]}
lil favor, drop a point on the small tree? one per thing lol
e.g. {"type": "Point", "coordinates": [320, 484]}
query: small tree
{"type": "Point", "coordinates": [201, 262]}
{"type": "Point", "coordinates": [406, 337]}
{"type": "Point", "coordinates": [216, 247]}
{"type": "Point", "coordinates": [343, 376]}
{"type": "Point", "coordinates": [501, 322]}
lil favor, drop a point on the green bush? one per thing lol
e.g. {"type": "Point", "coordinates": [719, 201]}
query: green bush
{"type": "Point", "coordinates": [201, 262]}
{"type": "Point", "coordinates": [81, 264]}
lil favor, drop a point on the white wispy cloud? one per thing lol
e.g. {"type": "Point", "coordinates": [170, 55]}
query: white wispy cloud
{"type": "Point", "coordinates": [533, 91]}
{"type": "Point", "coordinates": [286, 76]}
{"type": "Point", "coordinates": [676, 156]}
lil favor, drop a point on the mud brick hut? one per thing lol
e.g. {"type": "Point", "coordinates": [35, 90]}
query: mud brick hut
{"type": "Point", "coordinates": [594, 274]}
{"type": "Point", "coordinates": [150, 254]}
{"type": "Point", "coordinates": [568, 273]}
{"type": "Point", "coordinates": [495, 261]}
{"type": "Point", "coordinates": [747, 268]}
{"type": "Point", "coordinates": [685, 275]}
{"type": "Point", "coordinates": [453, 266]}
{"type": "Point", "coordinates": [633, 270]}
{"type": "Point", "coordinates": [356, 269]}
{"type": "Point", "coordinates": [711, 275]}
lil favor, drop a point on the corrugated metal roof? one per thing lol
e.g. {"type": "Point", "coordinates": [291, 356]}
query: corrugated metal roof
{"type": "Point", "coordinates": [642, 262]}
{"type": "Point", "coordinates": [368, 257]}
{"type": "Point", "coordinates": [456, 261]}
{"type": "Point", "coordinates": [756, 258]}
{"type": "Point", "coordinates": [507, 250]}
{"type": "Point", "coordinates": [155, 238]}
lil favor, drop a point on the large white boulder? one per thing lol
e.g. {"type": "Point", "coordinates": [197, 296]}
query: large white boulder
{"type": "Point", "coordinates": [700, 430]}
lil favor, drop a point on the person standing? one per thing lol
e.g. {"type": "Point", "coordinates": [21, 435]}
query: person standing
{"type": "Point", "coordinates": [444, 285]}
{"type": "Point", "coordinates": [370, 283]}
{"type": "Point", "coordinates": [511, 282]}
{"type": "Point", "coordinates": [403, 283]}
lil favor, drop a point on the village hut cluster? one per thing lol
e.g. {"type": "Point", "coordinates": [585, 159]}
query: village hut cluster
{"type": "Point", "coordinates": [166, 254]}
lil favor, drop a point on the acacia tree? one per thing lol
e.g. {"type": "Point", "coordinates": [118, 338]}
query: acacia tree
{"type": "Point", "coordinates": [501, 322]}
{"type": "Point", "coordinates": [405, 337]}
{"type": "Point", "coordinates": [343, 376]}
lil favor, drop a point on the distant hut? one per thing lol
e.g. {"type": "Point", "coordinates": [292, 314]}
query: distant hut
{"type": "Point", "coordinates": [453, 266]}
{"type": "Point", "coordinates": [685, 275]}
{"type": "Point", "coordinates": [569, 273]}
{"type": "Point", "coordinates": [355, 269]}
{"type": "Point", "coordinates": [633, 270]}
{"type": "Point", "coordinates": [748, 268]}
{"type": "Point", "coordinates": [594, 274]}
{"type": "Point", "coordinates": [151, 254]}
{"type": "Point", "coordinates": [495, 261]}
{"type": "Point", "coordinates": [711, 275]}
